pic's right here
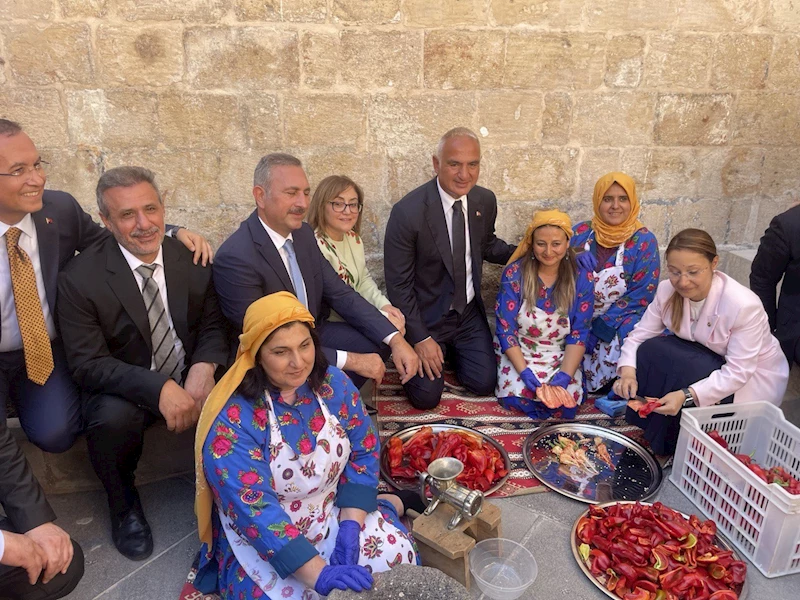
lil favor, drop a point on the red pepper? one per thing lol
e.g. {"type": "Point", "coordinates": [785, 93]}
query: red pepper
{"type": "Point", "coordinates": [724, 595]}
{"type": "Point", "coordinates": [648, 408]}
{"type": "Point", "coordinates": [599, 561]}
{"type": "Point", "coordinates": [395, 451]}
{"type": "Point", "coordinates": [714, 435]}
{"type": "Point", "coordinates": [637, 594]}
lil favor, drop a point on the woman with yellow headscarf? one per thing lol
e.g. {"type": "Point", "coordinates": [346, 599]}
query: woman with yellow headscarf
{"type": "Point", "coordinates": [543, 313]}
{"type": "Point", "coordinates": [623, 254]}
{"type": "Point", "coordinates": [287, 470]}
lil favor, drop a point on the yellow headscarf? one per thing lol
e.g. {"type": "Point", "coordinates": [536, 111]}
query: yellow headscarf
{"type": "Point", "coordinates": [610, 236]}
{"type": "Point", "coordinates": [262, 318]}
{"type": "Point", "coordinates": [555, 218]}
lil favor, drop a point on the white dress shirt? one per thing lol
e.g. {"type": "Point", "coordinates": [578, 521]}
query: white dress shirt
{"type": "Point", "coordinates": [161, 280]}
{"type": "Point", "coordinates": [11, 338]}
{"type": "Point", "coordinates": [447, 205]}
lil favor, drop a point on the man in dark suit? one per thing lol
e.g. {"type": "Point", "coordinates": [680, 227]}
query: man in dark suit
{"type": "Point", "coordinates": [37, 558]}
{"type": "Point", "coordinates": [43, 229]}
{"type": "Point", "coordinates": [436, 241]}
{"type": "Point", "coordinates": [143, 335]}
{"type": "Point", "coordinates": [273, 251]}
{"type": "Point", "coordinates": [778, 258]}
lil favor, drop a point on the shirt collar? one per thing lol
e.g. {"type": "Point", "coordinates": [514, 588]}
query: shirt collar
{"type": "Point", "coordinates": [26, 225]}
{"type": "Point", "coordinates": [134, 262]}
{"type": "Point", "coordinates": [448, 200]}
{"type": "Point", "coordinates": [276, 237]}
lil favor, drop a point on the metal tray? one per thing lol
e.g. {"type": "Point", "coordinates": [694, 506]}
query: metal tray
{"type": "Point", "coordinates": [405, 434]}
{"type": "Point", "coordinates": [721, 541]}
{"type": "Point", "coordinates": [637, 474]}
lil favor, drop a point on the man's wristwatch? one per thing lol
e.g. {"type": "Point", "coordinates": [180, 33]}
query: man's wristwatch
{"type": "Point", "coordinates": [688, 401]}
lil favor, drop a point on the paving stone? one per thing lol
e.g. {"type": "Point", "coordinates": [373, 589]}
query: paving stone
{"type": "Point", "coordinates": [404, 582]}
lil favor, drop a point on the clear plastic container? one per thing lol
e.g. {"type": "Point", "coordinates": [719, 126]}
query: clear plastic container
{"type": "Point", "coordinates": [502, 569]}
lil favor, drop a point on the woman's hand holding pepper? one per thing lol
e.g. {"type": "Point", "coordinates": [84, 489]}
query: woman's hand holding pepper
{"type": "Point", "coordinates": [671, 404]}
{"type": "Point", "coordinates": [561, 379]}
{"type": "Point", "coordinates": [530, 380]}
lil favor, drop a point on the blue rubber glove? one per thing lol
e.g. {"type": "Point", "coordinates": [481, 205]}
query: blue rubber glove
{"type": "Point", "coordinates": [587, 261]}
{"type": "Point", "coordinates": [343, 577]}
{"type": "Point", "coordinates": [529, 379]}
{"type": "Point", "coordinates": [561, 379]}
{"type": "Point", "coordinates": [591, 343]}
{"type": "Point", "coordinates": [347, 548]}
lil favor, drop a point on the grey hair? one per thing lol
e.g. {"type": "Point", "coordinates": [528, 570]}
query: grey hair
{"type": "Point", "coordinates": [9, 128]}
{"type": "Point", "coordinates": [123, 177]}
{"type": "Point", "coordinates": [456, 132]}
{"type": "Point", "coordinates": [263, 171]}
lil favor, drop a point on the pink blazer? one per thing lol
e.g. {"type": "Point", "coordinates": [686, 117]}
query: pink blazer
{"type": "Point", "coordinates": [733, 324]}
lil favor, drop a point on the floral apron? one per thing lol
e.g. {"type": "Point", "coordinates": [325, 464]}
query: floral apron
{"type": "Point", "coordinates": [541, 338]}
{"type": "Point", "coordinates": [306, 487]}
{"type": "Point", "coordinates": [600, 367]}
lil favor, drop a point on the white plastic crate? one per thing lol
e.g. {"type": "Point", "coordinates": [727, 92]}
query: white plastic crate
{"type": "Point", "coordinates": [762, 520]}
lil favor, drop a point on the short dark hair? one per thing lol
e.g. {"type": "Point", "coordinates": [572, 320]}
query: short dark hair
{"type": "Point", "coordinates": [263, 172]}
{"type": "Point", "coordinates": [123, 177]}
{"type": "Point", "coordinates": [256, 381]}
{"type": "Point", "coordinates": [9, 128]}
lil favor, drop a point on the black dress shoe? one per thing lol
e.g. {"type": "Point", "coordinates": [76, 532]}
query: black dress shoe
{"type": "Point", "coordinates": [131, 534]}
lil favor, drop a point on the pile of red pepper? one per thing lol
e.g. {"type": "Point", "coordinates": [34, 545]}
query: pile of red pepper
{"type": "Point", "coordinates": [774, 474]}
{"type": "Point", "coordinates": [483, 463]}
{"type": "Point", "coordinates": [651, 552]}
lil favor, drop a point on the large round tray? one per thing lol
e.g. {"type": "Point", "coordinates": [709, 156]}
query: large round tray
{"type": "Point", "coordinates": [637, 474]}
{"type": "Point", "coordinates": [405, 434]}
{"type": "Point", "coordinates": [720, 541]}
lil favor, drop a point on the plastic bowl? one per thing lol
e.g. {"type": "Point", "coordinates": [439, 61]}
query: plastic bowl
{"type": "Point", "coordinates": [502, 569]}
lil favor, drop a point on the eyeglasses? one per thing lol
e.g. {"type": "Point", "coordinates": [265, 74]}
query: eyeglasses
{"type": "Point", "coordinates": [39, 166]}
{"type": "Point", "coordinates": [690, 275]}
{"type": "Point", "coordinates": [339, 207]}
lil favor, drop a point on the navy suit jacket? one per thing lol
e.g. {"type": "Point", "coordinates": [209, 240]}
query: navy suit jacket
{"type": "Point", "coordinates": [418, 260]}
{"type": "Point", "coordinates": [248, 267]}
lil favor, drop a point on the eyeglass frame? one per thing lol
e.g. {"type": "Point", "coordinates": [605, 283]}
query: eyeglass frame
{"type": "Point", "coordinates": [345, 205]}
{"type": "Point", "coordinates": [672, 277]}
{"type": "Point", "coordinates": [38, 166]}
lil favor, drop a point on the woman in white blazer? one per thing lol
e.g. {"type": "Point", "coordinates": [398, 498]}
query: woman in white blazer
{"type": "Point", "coordinates": [722, 349]}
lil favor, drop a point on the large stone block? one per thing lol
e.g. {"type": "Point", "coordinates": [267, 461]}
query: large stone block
{"type": "Point", "coordinates": [40, 113]}
{"type": "Point", "coordinates": [708, 214]}
{"type": "Point", "coordinates": [139, 55]}
{"type": "Point", "coordinates": [719, 15]}
{"type": "Point", "coordinates": [319, 55]}
{"type": "Point", "coordinates": [200, 121]}
{"type": "Point", "coordinates": [741, 61]}
{"type": "Point", "coordinates": [113, 118]}
{"type": "Point", "coordinates": [624, 61]}
{"type": "Point", "coordinates": [204, 11]}
{"type": "Point", "coordinates": [768, 119]}
{"type": "Point", "coordinates": [741, 171]}
{"type": "Point", "coordinates": [781, 177]}
{"type": "Point", "coordinates": [445, 13]}
{"type": "Point", "coordinates": [531, 173]}
{"type": "Point", "coordinates": [75, 171]}
{"type": "Point", "coordinates": [30, 9]}
{"type": "Point", "coordinates": [656, 218]}
{"type": "Point", "coordinates": [262, 120]}
{"type": "Point", "coordinates": [678, 61]}
{"type": "Point", "coordinates": [784, 68]}
{"type": "Point", "coordinates": [304, 11]}
{"type": "Point", "coordinates": [371, 59]}
{"type": "Point", "coordinates": [631, 15]}
{"type": "Point", "coordinates": [783, 15]}
{"type": "Point", "coordinates": [460, 59]}
{"type": "Point", "coordinates": [560, 14]}
{"type": "Point", "coordinates": [619, 119]}
{"type": "Point", "coordinates": [693, 119]}
{"type": "Point", "coordinates": [257, 10]}
{"type": "Point", "coordinates": [666, 175]}
{"type": "Point", "coordinates": [334, 120]}
{"type": "Point", "coordinates": [412, 120]}
{"type": "Point", "coordinates": [45, 55]}
{"type": "Point", "coordinates": [236, 179]}
{"type": "Point", "coordinates": [242, 58]}
{"type": "Point", "coordinates": [359, 11]}
{"type": "Point", "coordinates": [554, 61]}
{"type": "Point", "coordinates": [509, 117]}
{"type": "Point", "coordinates": [82, 8]}
{"type": "Point", "coordinates": [409, 168]}
{"type": "Point", "coordinates": [595, 162]}
{"type": "Point", "coordinates": [556, 118]}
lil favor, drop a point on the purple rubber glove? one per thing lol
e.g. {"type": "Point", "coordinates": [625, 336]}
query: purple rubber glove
{"type": "Point", "coordinates": [529, 379]}
{"type": "Point", "coordinates": [347, 548]}
{"type": "Point", "coordinates": [587, 261]}
{"type": "Point", "coordinates": [343, 577]}
{"type": "Point", "coordinates": [561, 379]}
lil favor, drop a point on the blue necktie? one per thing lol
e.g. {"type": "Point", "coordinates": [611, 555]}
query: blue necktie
{"type": "Point", "coordinates": [294, 273]}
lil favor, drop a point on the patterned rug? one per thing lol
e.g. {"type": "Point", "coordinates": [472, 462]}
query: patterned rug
{"type": "Point", "coordinates": [459, 407]}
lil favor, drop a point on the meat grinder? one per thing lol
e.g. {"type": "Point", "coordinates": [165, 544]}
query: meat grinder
{"type": "Point", "coordinates": [441, 479]}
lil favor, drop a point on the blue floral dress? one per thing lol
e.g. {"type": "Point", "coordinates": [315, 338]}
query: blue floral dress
{"type": "Point", "coordinates": [280, 474]}
{"type": "Point", "coordinates": [542, 333]}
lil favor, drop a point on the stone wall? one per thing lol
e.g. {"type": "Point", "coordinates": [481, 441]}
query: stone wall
{"type": "Point", "coordinates": [697, 99]}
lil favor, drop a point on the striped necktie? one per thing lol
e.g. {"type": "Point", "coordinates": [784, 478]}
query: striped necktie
{"type": "Point", "coordinates": [162, 335]}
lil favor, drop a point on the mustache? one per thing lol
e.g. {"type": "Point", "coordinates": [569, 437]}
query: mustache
{"type": "Point", "coordinates": [297, 211]}
{"type": "Point", "coordinates": [145, 233]}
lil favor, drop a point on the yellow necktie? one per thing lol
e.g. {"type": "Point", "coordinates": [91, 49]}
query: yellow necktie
{"type": "Point", "coordinates": [35, 339]}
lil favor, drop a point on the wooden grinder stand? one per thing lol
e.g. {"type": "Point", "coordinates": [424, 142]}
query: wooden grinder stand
{"type": "Point", "coordinates": [448, 550]}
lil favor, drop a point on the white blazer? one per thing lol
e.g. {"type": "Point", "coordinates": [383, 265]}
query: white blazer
{"type": "Point", "coordinates": [732, 323]}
